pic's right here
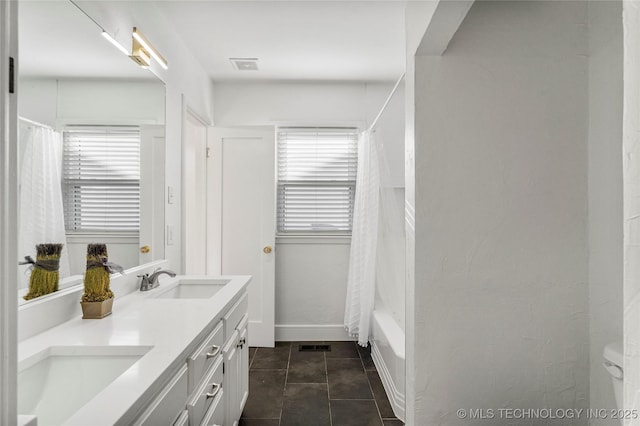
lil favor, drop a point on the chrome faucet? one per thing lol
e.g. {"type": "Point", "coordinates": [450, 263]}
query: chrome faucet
{"type": "Point", "coordinates": [149, 282]}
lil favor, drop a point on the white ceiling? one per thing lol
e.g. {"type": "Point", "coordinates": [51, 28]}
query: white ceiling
{"type": "Point", "coordinates": [294, 40]}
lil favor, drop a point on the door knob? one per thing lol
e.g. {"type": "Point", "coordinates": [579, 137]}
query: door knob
{"type": "Point", "coordinates": [145, 249]}
{"type": "Point", "coordinates": [267, 249]}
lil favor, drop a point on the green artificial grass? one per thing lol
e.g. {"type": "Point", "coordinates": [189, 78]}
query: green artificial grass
{"type": "Point", "coordinates": [96, 278]}
{"type": "Point", "coordinates": [45, 276]}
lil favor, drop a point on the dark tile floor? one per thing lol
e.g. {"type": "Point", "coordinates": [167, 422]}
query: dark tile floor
{"type": "Point", "coordinates": [337, 388]}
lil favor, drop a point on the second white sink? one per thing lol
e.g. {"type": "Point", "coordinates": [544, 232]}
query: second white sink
{"type": "Point", "coordinates": [195, 288]}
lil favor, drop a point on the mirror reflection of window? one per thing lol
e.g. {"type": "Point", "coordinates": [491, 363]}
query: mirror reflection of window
{"type": "Point", "coordinates": [101, 179]}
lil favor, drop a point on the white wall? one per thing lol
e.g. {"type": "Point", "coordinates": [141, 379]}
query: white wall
{"type": "Point", "coordinates": [38, 100]}
{"type": "Point", "coordinates": [605, 194]}
{"type": "Point", "coordinates": [311, 282]}
{"type": "Point", "coordinates": [272, 103]}
{"type": "Point", "coordinates": [54, 101]}
{"type": "Point", "coordinates": [631, 178]}
{"type": "Point", "coordinates": [501, 121]}
{"type": "Point", "coordinates": [417, 17]}
{"type": "Point", "coordinates": [311, 275]}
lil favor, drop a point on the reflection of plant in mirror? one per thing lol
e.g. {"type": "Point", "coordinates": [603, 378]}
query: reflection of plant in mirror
{"type": "Point", "coordinates": [45, 275]}
{"type": "Point", "coordinates": [96, 278]}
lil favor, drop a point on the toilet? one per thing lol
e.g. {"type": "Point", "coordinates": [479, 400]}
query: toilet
{"type": "Point", "coordinates": [613, 363]}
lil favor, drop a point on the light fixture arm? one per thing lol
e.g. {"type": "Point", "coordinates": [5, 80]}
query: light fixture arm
{"type": "Point", "coordinates": [139, 55]}
{"type": "Point", "coordinates": [142, 49]}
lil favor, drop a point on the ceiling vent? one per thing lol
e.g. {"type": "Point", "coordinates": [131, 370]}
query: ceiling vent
{"type": "Point", "coordinates": [245, 64]}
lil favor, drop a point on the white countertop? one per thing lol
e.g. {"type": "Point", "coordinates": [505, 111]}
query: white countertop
{"type": "Point", "coordinates": [170, 326]}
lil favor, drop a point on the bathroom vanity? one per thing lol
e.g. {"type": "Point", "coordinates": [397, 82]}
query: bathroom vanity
{"type": "Point", "coordinates": [175, 355]}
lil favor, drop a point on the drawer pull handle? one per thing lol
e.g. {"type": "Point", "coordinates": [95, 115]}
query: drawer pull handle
{"type": "Point", "coordinates": [214, 391]}
{"type": "Point", "coordinates": [216, 351]}
{"type": "Point", "coordinates": [241, 343]}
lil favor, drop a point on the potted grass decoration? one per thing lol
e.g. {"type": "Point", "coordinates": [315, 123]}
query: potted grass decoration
{"type": "Point", "coordinates": [97, 300]}
{"type": "Point", "coordinates": [45, 270]}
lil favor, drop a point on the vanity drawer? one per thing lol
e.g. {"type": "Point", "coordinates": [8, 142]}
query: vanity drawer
{"type": "Point", "coordinates": [204, 357]}
{"type": "Point", "coordinates": [206, 393]}
{"type": "Point", "coordinates": [169, 404]}
{"type": "Point", "coordinates": [234, 315]}
{"type": "Point", "coordinates": [183, 419]}
{"type": "Point", "coordinates": [215, 413]}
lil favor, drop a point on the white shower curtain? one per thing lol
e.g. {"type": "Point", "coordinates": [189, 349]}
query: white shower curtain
{"type": "Point", "coordinates": [364, 237]}
{"type": "Point", "coordinates": [41, 213]}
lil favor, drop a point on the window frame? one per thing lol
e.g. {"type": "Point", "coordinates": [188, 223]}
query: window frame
{"type": "Point", "coordinates": [314, 236]}
{"type": "Point", "coordinates": [80, 235]}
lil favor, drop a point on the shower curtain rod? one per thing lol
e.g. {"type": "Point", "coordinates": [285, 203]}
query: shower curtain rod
{"type": "Point", "coordinates": [35, 123]}
{"type": "Point", "coordinates": [393, 91]}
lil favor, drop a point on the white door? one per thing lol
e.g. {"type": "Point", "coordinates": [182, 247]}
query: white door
{"type": "Point", "coordinates": [242, 219]}
{"type": "Point", "coordinates": [151, 193]}
{"type": "Point", "coordinates": [194, 195]}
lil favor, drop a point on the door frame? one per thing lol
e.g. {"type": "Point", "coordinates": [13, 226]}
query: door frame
{"type": "Point", "coordinates": [152, 199]}
{"type": "Point", "coordinates": [8, 214]}
{"type": "Point", "coordinates": [188, 111]}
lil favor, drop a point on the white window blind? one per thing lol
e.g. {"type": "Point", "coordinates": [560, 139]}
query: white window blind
{"type": "Point", "coordinates": [316, 179]}
{"type": "Point", "coordinates": [101, 178]}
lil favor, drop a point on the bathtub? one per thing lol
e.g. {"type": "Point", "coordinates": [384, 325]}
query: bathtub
{"type": "Point", "coordinates": [387, 351]}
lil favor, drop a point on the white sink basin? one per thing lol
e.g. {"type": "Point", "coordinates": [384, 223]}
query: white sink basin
{"type": "Point", "coordinates": [194, 288]}
{"type": "Point", "coordinates": [58, 381]}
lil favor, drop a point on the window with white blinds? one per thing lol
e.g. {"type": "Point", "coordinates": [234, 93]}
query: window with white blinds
{"type": "Point", "coordinates": [101, 178]}
{"type": "Point", "coordinates": [316, 179]}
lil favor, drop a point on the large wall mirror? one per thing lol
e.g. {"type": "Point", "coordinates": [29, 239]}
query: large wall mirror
{"type": "Point", "coordinates": [91, 144]}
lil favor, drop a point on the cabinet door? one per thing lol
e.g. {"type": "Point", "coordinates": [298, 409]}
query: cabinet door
{"type": "Point", "coordinates": [169, 404]}
{"type": "Point", "coordinates": [202, 398]}
{"type": "Point", "coordinates": [230, 381]}
{"type": "Point", "coordinates": [215, 414]}
{"type": "Point", "coordinates": [243, 369]}
{"type": "Point", "coordinates": [204, 357]}
{"type": "Point", "coordinates": [183, 419]}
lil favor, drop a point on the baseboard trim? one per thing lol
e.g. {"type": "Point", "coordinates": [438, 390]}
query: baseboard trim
{"type": "Point", "coordinates": [396, 398]}
{"type": "Point", "coordinates": [311, 332]}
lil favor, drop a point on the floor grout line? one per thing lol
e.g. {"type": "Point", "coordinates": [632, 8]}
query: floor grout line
{"type": "Point", "coordinates": [326, 373]}
{"type": "Point", "coordinates": [375, 400]}
{"type": "Point", "coordinates": [353, 399]}
{"type": "Point", "coordinates": [286, 376]}
{"type": "Point", "coordinates": [268, 369]}
{"type": "Point", "coordinates": [253, 357]}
